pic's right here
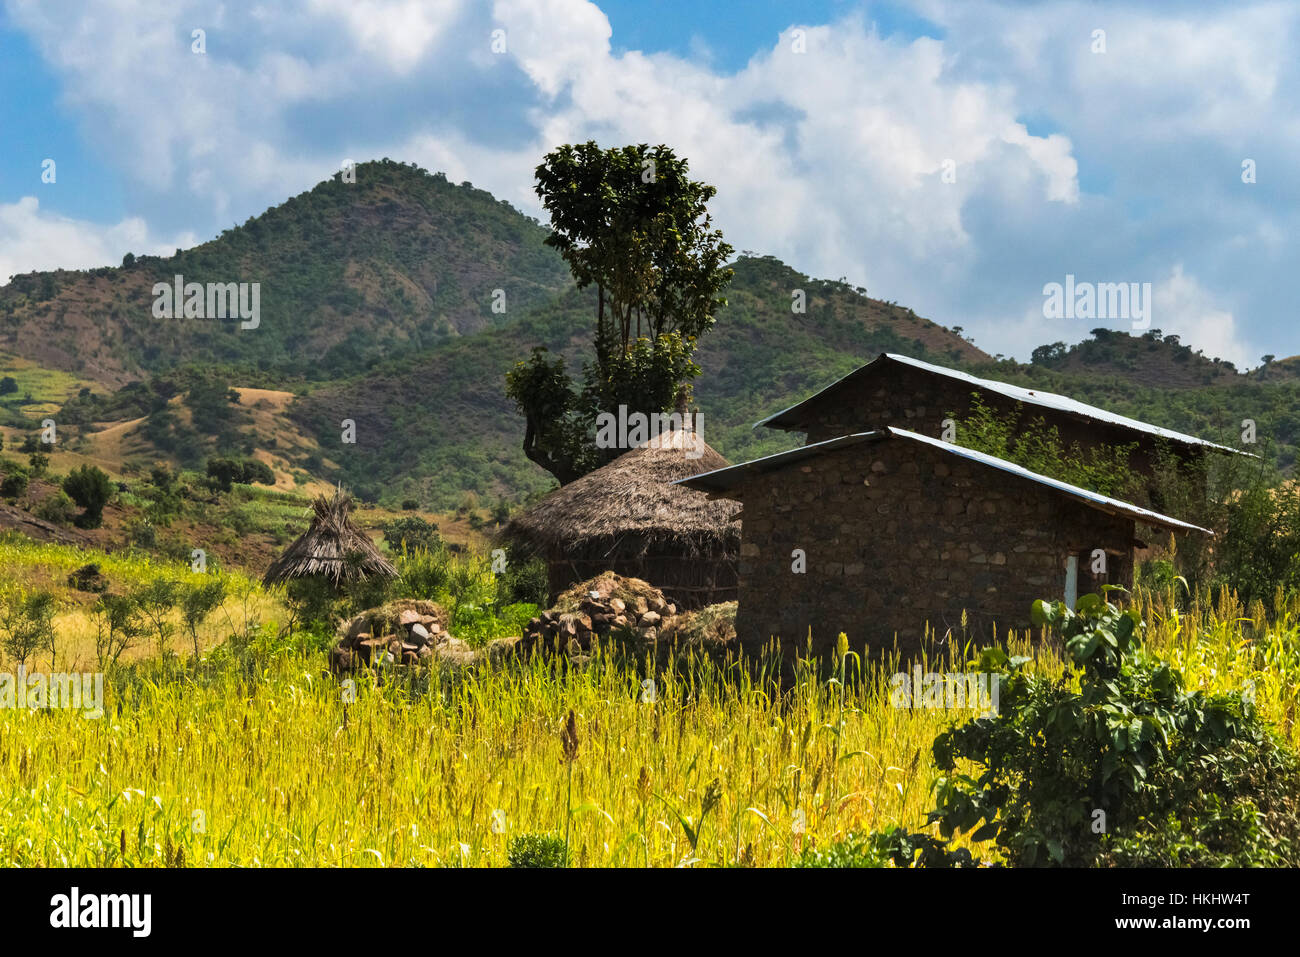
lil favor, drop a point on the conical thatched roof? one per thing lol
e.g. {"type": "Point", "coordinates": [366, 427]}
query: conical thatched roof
{"type": "Point", "coordinates": [632, 503]}
{"type": "Point", "coordinates": [333, 548]}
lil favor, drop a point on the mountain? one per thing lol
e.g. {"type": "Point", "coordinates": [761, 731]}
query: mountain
{"type": "Point", "coordinates": [429, 426]}
{"type": "Point", "coordinates": [348, 273]}
{"type": "Point", "coordinates": [377, 307]}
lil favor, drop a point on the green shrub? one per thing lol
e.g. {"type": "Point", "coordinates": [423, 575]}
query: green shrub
{"type": "Point", "coordinates": [56, 508]}
{"type": "Point", "coordinates": [412, 533]}
{"type": "Point", "coordinates": [312, 600]}
{"type": "Point", "coordinates": [14, 484]}
{"type": "Point", "coordinates": [27, 624]}
{"type": "Point", "coordinates": [141, 533]}
{"type": "Point", "coordinates": [91, 488]}
{"type": "Point", "coordinates": [879, 849]}
{"type": "Point", "coordinates": [1129, 770]}
{"type": "Point", "coordinates": [535, 850]}
{"type": "Point", "coordinates": [1039, 447]}
{"type": "Point", "coordinates": [223, 473]}
{"type": "Point", "coordinates": [524, 580]}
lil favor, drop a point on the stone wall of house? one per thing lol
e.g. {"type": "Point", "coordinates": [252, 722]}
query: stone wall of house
{"type": "Point", "coordinates": [913, 399]}
{"type": "Point", "coordinates": [897, 534]}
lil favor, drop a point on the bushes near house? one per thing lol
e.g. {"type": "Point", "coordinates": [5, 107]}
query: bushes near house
{"type": "Point", "coordinates": [1116, 764]}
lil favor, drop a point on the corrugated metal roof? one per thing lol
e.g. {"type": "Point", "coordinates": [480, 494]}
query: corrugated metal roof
{"type": "Point", "coordinates": [720, 480]}
{"type": "Point", "coordinates": [1048, 400]}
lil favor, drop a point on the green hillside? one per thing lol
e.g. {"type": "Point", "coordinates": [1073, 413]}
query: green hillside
{"type": "Point", "coordinates": [376, 306]}
{"type": "Point", "coordinates": [436, 424]}
{"type": "Point", "coordinates": [349, 274]}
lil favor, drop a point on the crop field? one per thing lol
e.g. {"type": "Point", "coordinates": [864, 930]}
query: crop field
{"type": "Point", "coordinates": [255, 755]}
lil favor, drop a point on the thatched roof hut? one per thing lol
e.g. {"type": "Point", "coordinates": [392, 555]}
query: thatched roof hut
{"type": "Point", "coordinates": [629, 518]}
{"type": "Point", "coordinates": [332, 548]}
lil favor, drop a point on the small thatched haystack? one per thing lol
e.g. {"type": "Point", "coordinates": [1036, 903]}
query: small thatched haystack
{"type": "Point", "coordinates": [333, 548]}
{"type": "Point", "coordinates": [628, 517]}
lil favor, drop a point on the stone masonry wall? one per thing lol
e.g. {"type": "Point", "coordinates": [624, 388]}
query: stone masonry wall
{"type": "Point", "coordinates": [897, 534]}
{"type": "Point", "coordinates": [919, 401]}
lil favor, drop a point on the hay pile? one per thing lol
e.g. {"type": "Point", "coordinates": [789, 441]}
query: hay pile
{"type": "Point", "coordinates": [332, 548]}
{"type": "Point", "coordinates": [713, 626]}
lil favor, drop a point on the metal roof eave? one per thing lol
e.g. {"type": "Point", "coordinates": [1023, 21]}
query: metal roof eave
{"type": "Point", "coordinates": [720, 480]}
{"type": "Point", "coordinates": [1047, 400]}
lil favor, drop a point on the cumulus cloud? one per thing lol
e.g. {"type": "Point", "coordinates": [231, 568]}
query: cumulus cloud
{"type": "Point", "coordinates": [1185, 307]}
{"type": "Point", "coordinates": [33, 239]}
{"type": "Point", "coordinates": [955, 174]}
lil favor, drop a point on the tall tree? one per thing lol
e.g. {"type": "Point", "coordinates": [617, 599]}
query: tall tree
{"type": "Point", "coordinates": [631, 222]}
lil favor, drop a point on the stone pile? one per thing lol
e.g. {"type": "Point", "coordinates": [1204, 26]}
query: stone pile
{"type": "Point", "coordinates": [609, 604]}
{"type": "Point", "coordinates": [405, 632]}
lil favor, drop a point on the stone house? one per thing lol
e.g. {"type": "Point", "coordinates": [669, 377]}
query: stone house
{"type": "Point", "coordinates": [901, 391]}
{"type": "Point", "coordinates": [878, 534]}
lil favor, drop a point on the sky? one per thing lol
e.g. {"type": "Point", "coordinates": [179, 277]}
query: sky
{"type": "Point", "coordinates": [954, 157]}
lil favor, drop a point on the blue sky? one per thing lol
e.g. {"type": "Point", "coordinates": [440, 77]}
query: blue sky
{"type": "Point", "coordinates": [955, 157]}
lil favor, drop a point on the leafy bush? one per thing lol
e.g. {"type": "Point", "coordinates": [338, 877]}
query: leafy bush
{"type": "Point", "coordinates": [524, 580]}
{"type": "Point", "coordinates": [1130, 770]}
{"type": "Point", "coordinates": [224, 472]}
{"type": "Point", "coordinates": [411, 532]}
{"type": "Point", "coordinates": [14, 484]}
{"type": "Point", "coordinates": [312, 600]}
{"type": "Point", "coordinates": [57, 508]}
{"type": "Point", "coordinates": [118, 624]}
{"type": "Point", "coordinates": [880, 848]}
{"type": "Point", "coordinates": [91, 488]}
{"type": "Point", "coordinates": [1039, 447]}
{"type": "Point", "coordinates": [141, 533]}
{"type": "Point", "coordinates": [535, 850]}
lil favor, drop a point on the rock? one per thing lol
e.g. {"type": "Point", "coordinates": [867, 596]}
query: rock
{"type": "Point", "coordinates": [419, 633]}
{"type": "Point", "coordinates": [409, 616]}
{"type": "Point", "coordinates": [371, 649]}
{"type": "Point", "coordinates": [649, 619]}
{"type": "Point", "coordinates": [410, 657]}
{"type": "Point", "coordinates": [342, 660]}
{"type": "Point", "coordinates": [618, 605]}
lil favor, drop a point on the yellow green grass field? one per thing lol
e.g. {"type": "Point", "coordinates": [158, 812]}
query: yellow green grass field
{"type": "Point", "coordinates": [260, 758]}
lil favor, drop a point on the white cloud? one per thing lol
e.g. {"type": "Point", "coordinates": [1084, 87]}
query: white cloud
{"type": "Point", "coordinates": [31, 239]}
{"type": "Point", "coordinates": [1183, 306]}
{"type": "Point", "coordinates": [1113, 164]}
